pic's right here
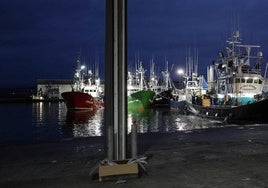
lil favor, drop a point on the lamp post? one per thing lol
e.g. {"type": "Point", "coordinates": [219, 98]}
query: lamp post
{"type": "Point", "coordinates": [82, 67]}
{"type": "Point", "coordinates": [180, 72]}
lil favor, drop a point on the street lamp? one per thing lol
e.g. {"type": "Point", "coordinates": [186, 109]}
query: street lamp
{"type": "Point", "coordinates": [82, 67]}
{"type": "Point", "coordinates": [180, 72]}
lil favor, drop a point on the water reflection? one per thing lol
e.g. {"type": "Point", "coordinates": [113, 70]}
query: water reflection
{"type": "Point", "coordinates": [38, 112]}
{"type": "Point", "coordinates": [46, 121]}
{"type": "Point", "coordinates": [52, 121]}
{"type": "Point", "coordinates": [45, 112]}
{"type": "Point", "coordinates": [165, 120]}
{"type": "Point", "coordinates": [85, 123]}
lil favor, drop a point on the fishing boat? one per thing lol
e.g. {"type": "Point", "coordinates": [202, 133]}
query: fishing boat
{"type": "Point", "coordinates": [163, 87]}
{"type": "Point", "coordinates": [193, 84]}
{"type": "Point", "coordinates": [87, 92]}
{"type": "Point", "coordinates": [236, 91]}
{"type": "Point", "coordinates": [139, 95]}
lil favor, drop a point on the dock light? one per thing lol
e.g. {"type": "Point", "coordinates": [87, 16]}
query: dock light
{"type": "Point", "coordinates": [82, 67]}
{"type": "Point", "coordinates": [180, 71]}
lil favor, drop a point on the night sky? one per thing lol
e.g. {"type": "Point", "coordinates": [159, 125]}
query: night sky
{"type": "Point", "coordinates": [40, 39]}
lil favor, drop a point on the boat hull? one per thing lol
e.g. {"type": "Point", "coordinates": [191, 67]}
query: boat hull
{"type": "Point", "coordinates": [179, 106]}
{"type": "Point", "coordinates": [134, 104]}
{"type": "Point", "coordinates": [250, 113]}
{"type": "Point", "coordinates": [80, 101]}
{"type": "Point", "coordinates": [162, 99]}
{"type": "Point", "coordinates": [253, 112]}
{"type": "Point", "coordinates": [144, 96]}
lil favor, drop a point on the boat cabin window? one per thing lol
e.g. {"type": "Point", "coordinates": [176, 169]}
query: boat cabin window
{"type": "Point", "coordinates": [229, 81]}
{"type": "Point", "coordinates": [256, 81]}
{"type": "Point", "coordinates": [243, 80]}
{"type": "Point", "coordinates": [237, 80]}
{"type": "Point", "coordinates": [191, 84]}
{"type": "Point", "coordinates": [260, 81]}
{"type": "Point", "coordinates": [250, 81]}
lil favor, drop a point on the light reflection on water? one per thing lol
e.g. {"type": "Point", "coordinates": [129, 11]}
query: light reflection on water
{"type": "Point", "coordinates": [88, 123]}
{"type": "Point", "coordinates": [85, 123]}
{"type": "Point", "coordinates": [165, 120]}
{"type": "Point", "coordinates": [52, 121]}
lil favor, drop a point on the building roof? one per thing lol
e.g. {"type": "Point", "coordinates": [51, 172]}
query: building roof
{"type": "Point", "coordinates": [56, 81]}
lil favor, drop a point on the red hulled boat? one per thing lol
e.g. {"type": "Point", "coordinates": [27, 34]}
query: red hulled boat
{"type": "Point", "coordinates": [80, 101]}
{"type": "Point", "coordinates": [87, 93]}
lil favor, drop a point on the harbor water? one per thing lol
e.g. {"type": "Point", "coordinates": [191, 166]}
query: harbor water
{"type": "Point", "coordinates": [35, 122]}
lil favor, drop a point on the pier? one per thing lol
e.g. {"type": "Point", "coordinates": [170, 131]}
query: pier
{"type": "Point", "coordinates": [225, 157]}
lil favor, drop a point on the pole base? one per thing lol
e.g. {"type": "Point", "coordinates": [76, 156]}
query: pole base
{"type": "Point", "coordinates": [118, 169]}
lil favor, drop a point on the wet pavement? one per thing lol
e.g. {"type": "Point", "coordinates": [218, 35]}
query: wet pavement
{"type": "Point", "coordinates": [235, 156]}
